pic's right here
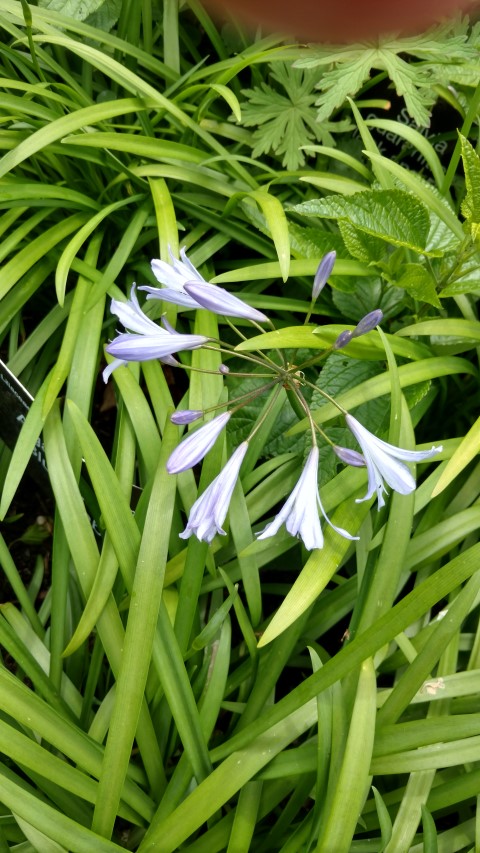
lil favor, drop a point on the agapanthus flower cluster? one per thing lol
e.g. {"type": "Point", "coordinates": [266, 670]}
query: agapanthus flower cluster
{"type": "Point", "coordinates": [302, 512]}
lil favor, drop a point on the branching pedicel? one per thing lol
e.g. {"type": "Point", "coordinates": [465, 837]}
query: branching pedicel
{"type": "Point", "coordinates": [183, 285]}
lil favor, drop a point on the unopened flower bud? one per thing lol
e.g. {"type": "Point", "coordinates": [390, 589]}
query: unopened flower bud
{"type": "Point", "coordinates": [224, 369]}
{"type": "Point", "coordinates": [349, 457]}
{"type": "Point", "coordinates": [187, 416]}
{"type": "Point", "coordinates": [323, 273]}
{"type": "Point", "coordinates": [368, 323]}
{"type": "Point", "coordinates": [343, 339]}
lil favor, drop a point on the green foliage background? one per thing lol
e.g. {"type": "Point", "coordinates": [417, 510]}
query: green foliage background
{"type": "Point", "coordinates": [157, 695]}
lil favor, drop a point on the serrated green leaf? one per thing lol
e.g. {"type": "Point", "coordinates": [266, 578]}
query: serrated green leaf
{"type": "Point", "coordinates": [362, 246]}
{"type": "Point", "coordinates": [471, 202]}
{"type": "Point", "coordinates": [419, 283]}
{"type": "Point", "coordinates": [391, 215]}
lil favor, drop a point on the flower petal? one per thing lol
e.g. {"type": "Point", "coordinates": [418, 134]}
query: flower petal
{"type": "Point", "coordinates": [210, 509]}
{"type": "Point", "coordinates": [192, 449]}
{"type": "Point", "coordinates": [220, 301]}
{"type": "Point", "coordinates": [383, 462]}
{"type": "Point", "coordinates": [131, 347]}
{"type": "Point", "coordinates": [300, 512]}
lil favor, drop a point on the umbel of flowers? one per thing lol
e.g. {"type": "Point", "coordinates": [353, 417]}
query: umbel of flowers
{"type": "Point", "coordinates": [182, 284]}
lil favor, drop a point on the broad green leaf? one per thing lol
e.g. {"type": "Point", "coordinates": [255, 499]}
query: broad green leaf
{"type": "Point", "coordinates": [79, 9]}
{"type": "Point", "coordinates": [391, 215]}
{"type": "Point", "coordinates": [471, 203]}
{"type": "Point", "coordinates": [418, 281]}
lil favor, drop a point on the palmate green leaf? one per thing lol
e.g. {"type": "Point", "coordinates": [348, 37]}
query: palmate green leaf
{"type": "Point", "coordinates": [392, 215]}
{"type": "Point", "coordinates": [342, 70]}
{"type": "Point", "coordinates": [285, 120]}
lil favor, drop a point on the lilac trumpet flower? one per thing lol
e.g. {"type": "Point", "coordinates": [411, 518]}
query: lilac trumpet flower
{"type": "Point", "coordinates": [196, 445]}
{"type": "Point", "coordinates": [220, 301]}
{"type": "Point", "coordinates": [186, 288]}
{"type": "Point", "coordinates": [384, 463]}
{"type": "Point", "coordinates": [300, 512]}
{"type": "Point", "coordinates": [210, 509]}
{"type": "Point", "coordinates": [147, 341]}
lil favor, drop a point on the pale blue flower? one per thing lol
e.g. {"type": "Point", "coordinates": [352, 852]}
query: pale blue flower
{"type": "Point", "coordinates": [147, 340]}
{"type": "Point", "coordinates": [383, 463]}
{"type": "Point", "coordinates": [185, 287]}
{"type": "Point", "coordinates": [196, 445]}
{"type": "Point", "coordinates": [220, 301]}
{"type": "Point", "coordinates": [323, 273]}
{"type": "Point", "coordinates": [300, 512]}
{"type": "Point", "coordinates": [173, 277]}
{"type": "Point", "coordinates": [210, 509]}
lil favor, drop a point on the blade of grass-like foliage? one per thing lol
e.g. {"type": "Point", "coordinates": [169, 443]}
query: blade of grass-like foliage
{"type": "Point", "coordinates": [38, 839]}
{"type": "Point", "coordinates": [225, 781]}
{"type": "Point", "coordinates": [16, 190]}
{"type": "Point", "coordinates": [36, 249]}
{"type": "Point", "coordinates": [441, 538]}
{"type": "Point", "coordinates": [27, 753]}
{"type": "Point", "coordinates": [323, 337]}
{"type": "Point", "coordinates": [338, 184]}
{"type": "Point", "coordinates": [24, 447]}
{"type": "Point", "coordinates": [141, 417]}
{"type": "Point", "coordinates": [408, 816]}
{"type": "Point", "coordinates": [304, 267]}
{"type": "Point", "coordinates": [61, 127]}
{"type": "Point", "coordinates": [342, 157]}
{"type": "Point", "coordinates": [52, 823]}
{"type": "Point", "coordinates": [133, 83]}
{"type": "Point", "coordinates": [35, 648]}
{"type": "Point", "coordinates": [71, 334]}
{"type": "Point", "coordinates": [74, 245]}
{"type": "Point", "coordinates": [467, 450]}
{"type": "Point", "coordinates": [15, 581]}
{"type": "Point", "coordinates": [246, 812]}
{"type": "Point", "coordinates": [139, 636]}
{"type": "Point", "coordinates": [37, 339]}
{"type": "Point", "coordinates": [276, 220]}
{"type": "Point", "coordinates": [165, 216]}
{"type": "Point", "coordinates": [416, 140]}
{"type": "Point", "coordinates": [381, 173]}
{"type": "Point", "coordinates": [18, 296]}
{"type": "Point", "coordinates": [412, 606]}
{"type": "Point", "coordinates": [457, 327]}
{"type": "Point", "coordinates": [242, 537]}
{"type": "Point", "coordinates": [318, 570]}
{"type": "Point", "coordinates": [28, 709]}
{"type": "Point", "coordinates": [353, 781]}
{"type": "Point", "coordinates": [416, 673]}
